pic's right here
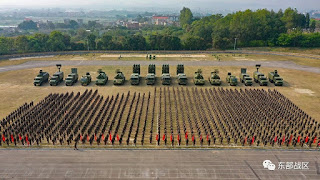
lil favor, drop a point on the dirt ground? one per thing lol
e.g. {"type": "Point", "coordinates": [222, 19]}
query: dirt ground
{"type": "Point", "coordinates": [16, 87]}
{"type": "Point", "coordinates": [305, 60]}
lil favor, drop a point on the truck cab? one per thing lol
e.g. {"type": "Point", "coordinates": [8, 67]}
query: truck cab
{"type": "Point", "coordinates": [86, 79]}
{"type": "Point", "coordinates": [246, 79]}
{"type": "Point", "coordinates": [182, 79]}
{"type": "Point", "coordinates": [70, 80]}
{"type": "Point", "coordinates": [166, 79]}
{"type": "Point", "coordinates": [231, 79]}
{"type": "Point", "coordinates": [150, 79]}
{"type": "Point", "coordinates": [56, 79]}
{"type": "Point", "coordinates": [41, 78]}
{"type": "Point", "coordinates": [263, 81]}
{"type": "Point", "coordinates": [135, 79]}
{"type": "Point", "coordinates": [278, 81]}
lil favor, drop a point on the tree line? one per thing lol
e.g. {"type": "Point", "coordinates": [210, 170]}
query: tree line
{"type": "Point", "coordinates": [250, 28]}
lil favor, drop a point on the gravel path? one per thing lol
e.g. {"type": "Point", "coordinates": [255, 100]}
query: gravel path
{"type": "Point", "coordinates": [277, 64]}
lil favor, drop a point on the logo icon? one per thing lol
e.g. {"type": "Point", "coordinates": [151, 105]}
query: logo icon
{"type": "Point", "coordinates": [267, 164]}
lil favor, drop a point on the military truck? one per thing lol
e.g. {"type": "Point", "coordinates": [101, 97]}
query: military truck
{"type": "Point", "coordinates": [72, 78]}
{"type": "Point", "coordinates": [102, 78]}
{"type": "Point", "coordinates": [57, 77]}
{"type": "Point", "coordinates": [231, 79]}
{"type": "Point", "coordinates": [151, 76]}
{"type": "Point", "coordinates": [165, 78]}
{"type": "Point", "coordinates": [214, 79]}
{"type": "Point", "coordinates": [135, 76]}
{"type": "Point", "coordinates": [182, 77]}
{"type": "Point", "coordinates": [275, 78]}
{"type": "Point", "coordinates": [119, 79]}
{"type": "Point", "coordinates": [41, 78]}
{"type": "Point", "coordinates": [86, 79]}
{"type": "Point", "coordinates": [259, 77]}
{"type": "Point", "coordinates": [198, 78]}
{"type": "Point", "coordinates": [245, 78]}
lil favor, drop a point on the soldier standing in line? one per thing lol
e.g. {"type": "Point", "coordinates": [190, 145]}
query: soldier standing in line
{"type": "Point", "coordinates": [75, 145]}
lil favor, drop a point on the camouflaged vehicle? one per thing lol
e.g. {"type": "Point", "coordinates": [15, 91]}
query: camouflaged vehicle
{"type": "Point", "coordinates": [57, 77]}
{"type": "Point", "coordinates": [72, 78]}
{"type": "Point", "coordinates": [119, 79]}
{"type": "Point", "coordinates": [245, 78]}
{"type": "Point", "coordinates": [214, 79]}
{"type": "Point", "coordinates": [165, 78]}
{"type": "Point", "coordinates": [231, 79]}
{"type": "Point", "coordinates": [86, 79]}
{"type": "Point", "coordinates": [198, 79]}
{"type": "Point", "coordinates": [135, 76]}
{"type": "Point", "coordinates": [260, 77]}
{"type": "Point", "coordinates": [275, 78]}
{"type": "Point", "coordinates": [182, 77]}
{"type": "Point", "coordinates": [41, 78]}
{"type": "Point", "coordinates": [151, 76]}
{"type": "Point", "coordinates": [102, 78]}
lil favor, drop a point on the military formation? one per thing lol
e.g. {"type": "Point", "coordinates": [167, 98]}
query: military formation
{"type": "Point", "coordinates": [166, 79]}
{"type": "Point", "coordinates": [167, 117]}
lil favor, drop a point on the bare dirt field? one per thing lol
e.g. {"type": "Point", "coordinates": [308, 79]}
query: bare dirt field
{"type": "Point", "coordinates": [305, 60]}
{"type": "Point", "coordinates": [17, 86]}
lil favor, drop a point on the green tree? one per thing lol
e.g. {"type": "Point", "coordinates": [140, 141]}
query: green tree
{"type": "Point", "coordinates": [28, 25]}
{"type": "Point", "coordinates": [293, 19]}
{"type": "Point", "coordinates": [73, 24]}
{"type": "Point", "coordinates": [307, 21]}
{"type": "Point", "coordinates": [185, 17]}
{"type": "Point", "coordinates": [56, 41]}
{"type": "Point", "coordinates": [92, 41]}
{"type": "Point", "coordinates": [22, 44]}
{"type": "Point", "coordinates": [106, 41]}
{"type": "Point", "coordinates": [313, 26]}
{"type": "Point", "coordinates": [5, 45]}
{"type": "Point", "coordinates": [135, 42]}
{"type": "Point", "coordinates": [194, 43]}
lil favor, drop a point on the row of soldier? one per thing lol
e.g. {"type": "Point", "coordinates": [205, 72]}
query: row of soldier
{"type": "Point", "coordinates": [253, 116]}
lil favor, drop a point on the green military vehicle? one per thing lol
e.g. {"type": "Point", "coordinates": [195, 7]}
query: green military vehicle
{"type": "Point", "coordinates": [259, 77]}
{"type": "Point", "coordinates": [182, 77]}
{"type": "Point", "coordinates": [102, 78]}
{"type": "Point", "coordinates": [198, 78]}
{"type": "Point", "coordinates": [231, 79]}
{"type": "Point", "coordinates": [57, 77]}
{"type": "Point", "coordinates": [151, 76]}
{"type": "Point", "coordinates": [72, 77]}
{"type": "Point", "coordinates": [119, 79]}
{"type": "Point", "coordinates": [245, 78]}
{"type": "Point", "coordinates": [41, 78]}
{"type": "Point", "coordinates": [135, 76]}
{"type": "Point", "coordinates": [165, 78]}
{"type": "Point", "coordinates": [86, 79]}
{"type": "Point", "coordinates": [214, 79]}
{"type": "Point", "coordinates": [275, 78]}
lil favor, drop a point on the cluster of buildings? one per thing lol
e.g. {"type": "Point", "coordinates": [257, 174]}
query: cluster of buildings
{"type": "Point", "coordinates": [152, 20]}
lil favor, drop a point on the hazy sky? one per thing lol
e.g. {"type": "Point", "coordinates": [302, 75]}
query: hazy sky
{"type": "Point", "coordinates": [172, 4]}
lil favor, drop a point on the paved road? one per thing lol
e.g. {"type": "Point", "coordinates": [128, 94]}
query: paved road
{"type": "Point", "coordinates": [154, 164]}
{"type": "Point", "coordinates": [278, 64]}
